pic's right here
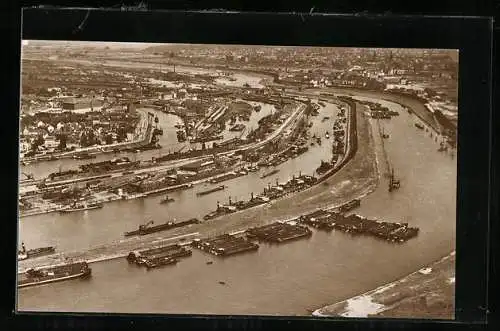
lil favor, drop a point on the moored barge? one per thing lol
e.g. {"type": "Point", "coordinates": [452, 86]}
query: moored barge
{"type": "Point", "coordinates": [349, 206]}
{"type": "Point", "coordinates": [23, 254]}
{"type": "Point", "coordinates": [270, 173]}
{"type": "Point", "coordinates": [212, 190]}
{"type": "Point", "coordinates": [46, 275]}
{"type": "Point", "coordinates": [145, 229]}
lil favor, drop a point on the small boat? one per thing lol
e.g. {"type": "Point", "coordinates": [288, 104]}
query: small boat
{"type": "Point", "coordinates": [327, 135]}
{"type": "Point", "coordinates": [222, 283]}
{"type": "Point", "coordinates": [167, 199]}
{"type": "Point", "coordinates": [325, 118]}
{"type": "Point", "coordinates": [215, 189]}
{"type": "Point", "coordinates": [419, 126]}
{"type": "Point", "coordinates": [257, 108]}
{"type": "Point", "coordinates": [210, 262]}
{"type": "Point", "coordinates": [394, 184]}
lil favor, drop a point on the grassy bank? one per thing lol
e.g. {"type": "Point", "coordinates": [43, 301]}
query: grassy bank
{"type": "Point", "coordinates": [428, 293]}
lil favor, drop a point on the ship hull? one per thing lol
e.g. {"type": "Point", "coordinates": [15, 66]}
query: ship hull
{"type": "Point", "coordinates": [59, 279]}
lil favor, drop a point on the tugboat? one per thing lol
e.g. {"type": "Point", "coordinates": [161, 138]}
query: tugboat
{"type": "Point", "coordinates": [167, 199]}
{"type": "Point", "coordinates": [394, 184]}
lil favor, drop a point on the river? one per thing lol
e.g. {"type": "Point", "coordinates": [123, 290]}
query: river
{"type": "Point", "coordinates": [293, 279]}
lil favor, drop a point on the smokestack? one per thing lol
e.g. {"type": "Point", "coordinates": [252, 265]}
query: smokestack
{"type": "Point", "coordinates": [230, 203]}
{"type": "Point", "coordinates": [276, 181]}
{"type": "Point", "coordinates": [218, 205]}
{"type": "Point", "coordinates": [251, 196]}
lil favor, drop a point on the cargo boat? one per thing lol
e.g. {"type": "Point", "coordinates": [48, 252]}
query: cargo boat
{"type": "Point", "coordinates": [46, 275]}
{"type": "Point", "coordinates": [23, 254]}
{"type": "Point", "coordinates": [215, 189]}
{"type": "Point", "coordinates": [270, 173]}
{"type": "Point", "coordinates": [147, 228]}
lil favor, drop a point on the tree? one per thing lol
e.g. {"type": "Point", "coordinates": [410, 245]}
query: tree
{"type": "Point", "coordinates": [62, 141]}
{"type": "Point", "coordinates": [108, 138]}
{"type": "Point", "coordinates": [39, 141]}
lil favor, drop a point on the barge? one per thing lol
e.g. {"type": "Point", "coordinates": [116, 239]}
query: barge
{"type": "Point", "coordinates": [358, 225]}
{"type": "Point", "coordinates": [147, 228]}
{"type": "Point", "coordinates": [84, 156]}
{"type": "Point", "coordinates": [174, 250]}
{"type": "Point", "coordinates": [349, 206]}
{"type": "Point", "coordinates": [23, 254]}
{"type": "Point", "coordinates": [46, 275]}
{"type": "Point", "coordinates": [82, 207]}
{"type": "Point", "coordinates": [278, 232]}
{"type": "Point", "coordinates": [225, 245]}
{"type": "Point", "coordinates": [270, 173]}
{"type": "Point", "coordinates": [160, 262]}
{"type": "Point", "coordinates": [215, 189]}
{"type": "Point", "coordinates": [178, 187]}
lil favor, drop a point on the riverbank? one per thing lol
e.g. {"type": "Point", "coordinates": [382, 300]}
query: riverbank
{"type": "Point", "coordinates": [426, 293]}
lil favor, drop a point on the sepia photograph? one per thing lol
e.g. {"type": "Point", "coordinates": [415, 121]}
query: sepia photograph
{"type": "Point", "coordinates": [237, 180]}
